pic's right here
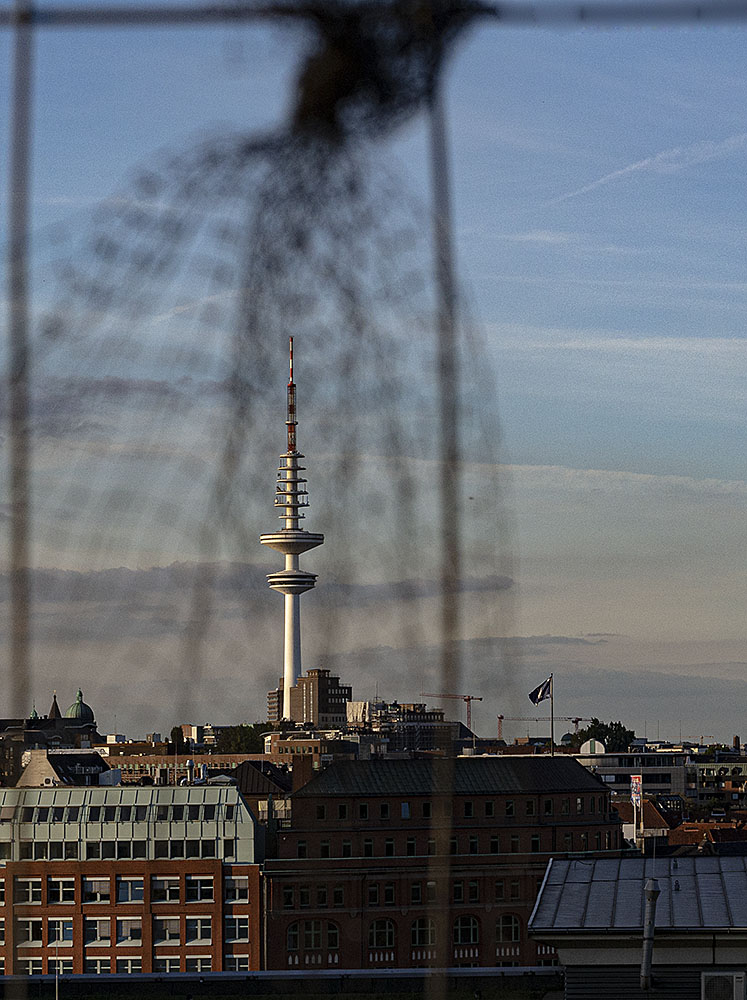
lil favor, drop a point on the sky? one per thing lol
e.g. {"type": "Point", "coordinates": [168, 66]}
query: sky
{"type": "Point", "coordinates": [599, 210]}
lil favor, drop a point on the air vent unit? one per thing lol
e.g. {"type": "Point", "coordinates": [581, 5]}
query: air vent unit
{"type": "Point", "coordinates": [722, 986]}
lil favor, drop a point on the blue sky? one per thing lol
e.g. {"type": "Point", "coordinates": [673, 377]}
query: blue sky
{"type": "Point", "coordinates": [600, 217]}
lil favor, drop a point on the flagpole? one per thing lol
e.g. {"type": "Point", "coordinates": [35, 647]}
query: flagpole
{"type": "Point", "coordinates": [552, 716]}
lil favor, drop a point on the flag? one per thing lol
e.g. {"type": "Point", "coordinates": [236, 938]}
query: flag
{"type": "Point", "coordinates": [542, 692]}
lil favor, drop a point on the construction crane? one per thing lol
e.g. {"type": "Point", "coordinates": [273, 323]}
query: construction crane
{"type": "Point", "coordinates": [575, 719]}
{"type": "Point", "coordinates": [466, 698]}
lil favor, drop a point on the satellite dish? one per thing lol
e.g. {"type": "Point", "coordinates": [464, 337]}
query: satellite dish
{"type": "Point", "coordinates": [593, 746]}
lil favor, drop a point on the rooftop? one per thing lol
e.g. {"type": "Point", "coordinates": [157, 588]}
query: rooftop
{"type": "Point", "coordinates": [697, 893]}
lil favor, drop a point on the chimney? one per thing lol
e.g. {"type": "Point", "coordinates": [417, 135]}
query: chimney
{"type": "Point", "coordinates": [651, 892]}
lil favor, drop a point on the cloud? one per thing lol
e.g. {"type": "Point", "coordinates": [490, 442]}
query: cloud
{"type": "Point", "coordinates": [669, 161]}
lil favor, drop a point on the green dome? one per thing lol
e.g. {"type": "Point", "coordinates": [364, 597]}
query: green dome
{"type": "Point", "coordinates": [80, 711]}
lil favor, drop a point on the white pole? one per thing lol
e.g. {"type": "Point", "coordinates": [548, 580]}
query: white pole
{"type": "Point", "coordinates": [552, 716]}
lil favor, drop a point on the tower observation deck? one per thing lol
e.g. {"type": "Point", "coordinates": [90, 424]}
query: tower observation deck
{"type": "Point", "coordinates": [290, 499]}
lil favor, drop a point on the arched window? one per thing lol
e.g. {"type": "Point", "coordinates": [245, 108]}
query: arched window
{"type": "Point", "coordinates": [381, 934]}
{"type": "Point", "coordinates": [466, 930]}
{"type": "Point", "coordinates": [423, 933]}
{"type": "Point", "coordinates": [333, 936]}
{"type": "Point", "coordinates": [292, 937]}
{"type": "Point", "coordinates": [508, 929]}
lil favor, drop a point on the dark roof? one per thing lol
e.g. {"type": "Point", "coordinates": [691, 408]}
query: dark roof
{"type": "Point", "coordinates": [74, 768]}
{"type": "Point", "coordinates": [261, 777]}
{"type": "Point", "coordinates": [471, 776]}
{"type": "Point", "coordinates": [608, 894]}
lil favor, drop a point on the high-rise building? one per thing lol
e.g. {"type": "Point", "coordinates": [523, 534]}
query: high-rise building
{"type": "Point", "coordinates": [291, 498]}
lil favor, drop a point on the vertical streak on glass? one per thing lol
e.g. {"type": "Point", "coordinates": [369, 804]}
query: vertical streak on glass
{"type": "Point", "coordinates": [449, 528]}
{"type": "Point", "coordinates": [18, 389]}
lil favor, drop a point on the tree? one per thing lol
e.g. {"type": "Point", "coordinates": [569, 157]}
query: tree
{"type": "Point", "coordinates": [178, 743]}
{"type": "Point", "coordinates": [243, 739]}
{"type": "Point", "coordinates": [615, 736]}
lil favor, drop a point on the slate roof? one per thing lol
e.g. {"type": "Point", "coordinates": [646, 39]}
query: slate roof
{"type": "Point", "coordinates": [697, 893]}
{"type": "Point", "coordinates": [471, 776]}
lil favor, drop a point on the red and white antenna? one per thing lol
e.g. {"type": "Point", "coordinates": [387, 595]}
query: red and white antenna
{"type": "Point", "coordinates": [291, 422]}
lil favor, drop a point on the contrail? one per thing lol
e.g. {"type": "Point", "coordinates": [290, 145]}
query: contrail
{"type": "Point", "coordinates": [667, 162]}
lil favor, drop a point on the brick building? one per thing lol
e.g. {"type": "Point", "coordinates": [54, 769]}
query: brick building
{"type": "Point", "coordinates": [417, 863]}
{"type": "Point", "coordinates": [105, 880]}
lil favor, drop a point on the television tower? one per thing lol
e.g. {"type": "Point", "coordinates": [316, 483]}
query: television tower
{"type": "Point", "coordinates": [291, 497]}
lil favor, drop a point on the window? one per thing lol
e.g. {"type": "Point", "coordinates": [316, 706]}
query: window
{"type": "Point", "coordinates": [60, 967]}
{"type": "Point", "coordinates": [389, 847]}
{"type": "Point", "coordinates": [453, 845]}
{"type": "Point", "coordinates": [166, 964]}
{"type": "Point", "coordinates": [405, 810]}
{"type": "Point", "coordinates": [592, 800]}
{"type": "Point", "coordinates": [312, 934]}
{"type": "Point", "coordinates": [30, 967]}
{"type": "Point", "coordinates": [347, 849]}
{"type": "Point", "coordinates": [291, 938]}
{"type": "Point", "coordinates": [469, 810]}
{"type": "Point", "coordinates": [423, 933]}
{"type": "Point", "coordinates": [514, 843]}
{"type": "Point", "coordinates": [60, 890]}
{"type": "Point", "coordinates": [198, 963]}
{"type": "Point", "coordinates": [236, 888]}
{"type": "Point", "coordinates": [301, 849]}
{"type": "Point", "coordinates": [473, 892]}
{"type": "Point", "coordinates": [304, 897]}
{"type": "Point", "coordinates": [164, 889]}
{"type": "Point", "coordinates": [97, 931]}
{"type": "Point", "coordinates": [431, 846]}
{"type": "Point", "coordinates": [534, 843]}
{"type": "Point", "coordinates": [321, 812]}
{"type": "Point", "coordinates": [2, 890]}
{"type": "Point", "coordinates": [97, 966]}
{"type": "Point", "coordinates": [381, 934]}
{"type": "Point", "coordinates": [237, 929]}
{"type": "Point", "coordinates": [342, 811]}
{"type": "Point", "coordinates": [129, 965]}
{"type": "Point", "coordinates": [514, 890]}
{"type": "Point", "coordinates": [96, 890]}
{"type": "Point", "coordinates": [324, 849]}
{"type": "Point", "coordinates": [474, 845]}
{"type": "Point", "coordinates": [495, 845]}
{"type": "Point", "coordinates": [568, 842]}
{"type": "Point", "coordinates": [565, 807]}
{"type": "Point", "coordinates": [508, 929]}
{"type": "Point", "coordinates": [28, 890]}
{"type": "Point", "coordinates": [373, 894]}
{"type": "Point", "coordinates": [458, 894]}
{"type": "Point", "coordinates": [529, 807]}
{"type": "Point", "coordinates": [333, 936]}
{"type": "Point", "coordinates": [363, 810]}
{"type": "Point", "coordinates": [321, 897]}
{"type": "Point", "coordinates": [427, 810]}
{"type": "Point", "coordinates": [548, 807]}
{"type": "Point", "coordinates": [60, 932]}
{"type": "Point", "coordinates": [129, 930]}
{"type": "Point", "coordinates": [579, 804]}
{"type": "Point", "coordinates": [490, 809]}
{"type": "Point", "coordinates": [288, 897]}
{"type": "Point", "coordinates": [430, 892]}
{"type": "Point", "coordinates": [166, 930]}
{"type": "Point", "coordinates": [368, 847]}
{"type": "Point", "coordinates": [29, 931]}
{"type": "Point", "coordinates": [510, 807]}
{"type": "Point", "coordinates": [499, 891]}
{"type": "Point", "coordinates": [2, 930]}
{"type": "Point", "coordinates": [235, 963]}
{"type": "Point", "coordinates": [338, 896]}
{"type": "Point", "coordinates": [384, 810]}
{"type": "Point", "coordinates": [584, 841]}
{"type": "Point", "coordinates": [416, 893]}
{"type": "Point", "coordinates": [466, 930]}
{"type": "Point", "coordinates": [389, 894]}
{"type": "Point", "coordinates": [198, 930]}
{"type": "Point", "coordinates": [199, 889]}
{"type": "Point", "coordinates": [129, 890]}
{"type": "Point", "coordinates": [410, 847]}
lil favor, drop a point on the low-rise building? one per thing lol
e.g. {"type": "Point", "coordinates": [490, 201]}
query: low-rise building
{"type": "Point", "coordinates": [105, 880]}
{"type": "Point", "coordinates": [426, 863]}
